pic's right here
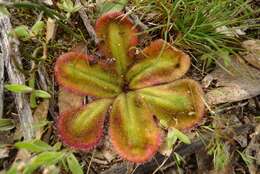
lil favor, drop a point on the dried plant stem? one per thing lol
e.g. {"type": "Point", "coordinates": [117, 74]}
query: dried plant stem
{"type": "Point", "coordinates": [92, 156]}
{"type": "Point", "coordinates": [87, 23]}
{"type": "Point", "coordinates": [11, 57]}
{"type": "Point", "coordinates": [43, 78]}
{"type": "Point", "coordinates": [136, 19]}
{"type": "Point", "coordinates": [161, 165]}
{"type": "Point", "coordinates": [1, 84]}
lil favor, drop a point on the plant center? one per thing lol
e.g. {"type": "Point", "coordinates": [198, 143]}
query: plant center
{"type": "Point", "coordinates": [125, 87]}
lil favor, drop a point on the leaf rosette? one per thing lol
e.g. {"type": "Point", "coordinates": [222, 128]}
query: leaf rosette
{"type": "Point", "coordinates": [135, 93]}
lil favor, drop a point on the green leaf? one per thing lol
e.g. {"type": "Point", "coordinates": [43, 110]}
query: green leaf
{"type": "Point", "coordinates": [163, 123]}
{"type": "Point", "coordinates": [35, 146]}
{"type": "Point", "coordinates": [174, 134]}
{"type": "Point", "coordinates": [65, 165]}
{"type": "Point", "coordinates": [246, 158]}
{"type": "Point", "coordinates": [111, 6]}
{"type": "Point", "coordinates": [22, 32]}
{"type": "Point", "coordinates": [13, 169]}
{"type": "Point", "coordinates": [4, 11]}
{"type": "Point", "coordinates": [82, 128]}
{"type": "Point", "coordinates": [178, 159]}
{"type": "Point", "coordinates": [18, 88]}
{"type": "Point", "coordinates": [41, 94]}
{"type": "Point", "coordinates": [133, 132]}
{"type": "Point", "coordinates": [161, 63]}
{"type": "Point", "coordinates": [74, 165]}
{"type": "Point", "coordinates": [57, 146]}
{"type": "Point", "coordinates": [181, 136]}
{"type": "Point", "coordinates": [75, 73]}
{"type": "Point", "coordinates": [67, 6]}
{"type": "Point", "coordinates": [221, 156]}
{"type": "Point", "coordinates": [178, 104]}
{"type": "Point", "coordinates": [118, 35]}
{"type": "Point", "coordinates": [171, 138]}
{"type": "Point", "coordinates": [33, 102]}
{"type": "Point", "coordinates": [43, 159]}
{"type": "Point", "coordinates": [37, 28]}
{"type": "Point", "coordinates": [76, 8]}
{"type": "Point", "coordinates": [6, 124]}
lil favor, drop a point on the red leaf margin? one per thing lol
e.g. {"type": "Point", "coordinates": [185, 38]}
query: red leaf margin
{"type": "Point", "coordinates": [152, 150]}
{"type": "Point", "coordinates": [164, 75]}
{"type": "Point", "coordinates": [156, 46]}
{"type": "Point", "coordinates": [102, 22]}
{"type": "Point", "coordinates": [201, 108]}
{"type": "Point", "coordinates": [62, 59]}
{"type": "Point", "coordinates": [200, 105]}
{"type": "Point", "coordinates": [69, 140]}
{"type": "Point", "coordinates": [73, 55]}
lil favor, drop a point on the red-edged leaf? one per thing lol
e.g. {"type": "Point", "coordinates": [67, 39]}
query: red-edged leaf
{"type": "Point", "coordinates": [117, 35]}
{"type": "Point", "coordinates": [162, 63]}
{"type": "Point", "coordinates": [75, 73]}
{"type": "Point", "coordinates": [133, 131]}
{"type": "Point", "coordinates": [82, 128]}
{"type": "Point", "coordinates": [178, 104]}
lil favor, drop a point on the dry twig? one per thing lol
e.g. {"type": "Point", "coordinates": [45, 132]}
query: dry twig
{"type": "Point", "coordinates": [87, 23]}
{"type": "Point", "coordinates": [11, 57]}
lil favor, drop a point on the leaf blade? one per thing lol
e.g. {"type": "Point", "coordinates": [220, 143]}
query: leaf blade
{"type": "Point", "coordinates": [74, 72]}
{"type": "Point", "coordinates": [42, 94]}
{"type": "Point", "coordinates": [18, 88]}
{"type": "Point", "coordinates": [6, 124]}
{"type": "Point", "coordinates": [132, 130]}
{"type": "Point", "coordinates": [35, 146]}
{"type": "Point", "coordinates": [179, 104]}
{"type": "Point", "coordinates": [22, 32]}
{"type": "Point", "coordinates": [181, 136]}
{"type": "Point", "coordinates": [162, 63]}
{"type": "Point", "coordinates": [82, 128]}
{"type": "Point", "coordinates": [74, 165]}
{"type": "Point", "coordinates": [43, 159]}
{"type": "Point", "coordinates": [37, 28]}
{"type": "Point", "coordinates": [109, 6]}
{"type": "Point", "coordinates": [118, 35]}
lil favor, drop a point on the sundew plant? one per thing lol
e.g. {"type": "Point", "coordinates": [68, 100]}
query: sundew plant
{"type": "Point", "coordinates": [138, 92]}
